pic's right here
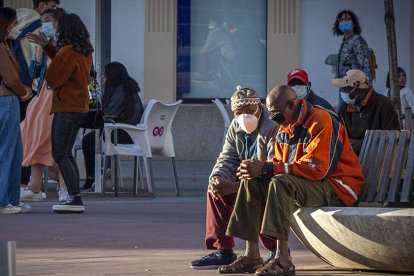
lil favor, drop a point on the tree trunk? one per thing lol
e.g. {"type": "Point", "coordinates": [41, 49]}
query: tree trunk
{"type": "Point", "coordinates": [392, 56]}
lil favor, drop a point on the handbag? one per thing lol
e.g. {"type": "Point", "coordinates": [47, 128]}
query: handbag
{"type": "Point", "coordinates": [94, 119]}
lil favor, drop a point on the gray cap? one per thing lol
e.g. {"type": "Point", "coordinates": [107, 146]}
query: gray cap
{"type": "Point", "coordinates": [332, 59]}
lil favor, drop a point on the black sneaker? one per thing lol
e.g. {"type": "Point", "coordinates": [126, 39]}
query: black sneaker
{"type": "Point", "coordinates": [213, 260]}
{"type": "Point", "coordinates": [73, 205]}
{"type": "Point", "coordinates": [89, 183]}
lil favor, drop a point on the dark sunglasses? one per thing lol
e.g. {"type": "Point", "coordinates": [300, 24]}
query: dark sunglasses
{"type": "Point", "coordinates": [272, 115]}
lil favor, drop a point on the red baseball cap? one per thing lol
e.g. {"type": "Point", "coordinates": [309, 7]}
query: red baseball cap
{"type": "Point", "coordinates": [298, 74]}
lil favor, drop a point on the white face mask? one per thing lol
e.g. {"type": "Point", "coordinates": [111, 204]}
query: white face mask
{"type": "Point", "coordinates": [301, 91]}
{"type": "Point", "coordinates": [247, 122]}
{"type": "Point", "coordinates": [13, 33]}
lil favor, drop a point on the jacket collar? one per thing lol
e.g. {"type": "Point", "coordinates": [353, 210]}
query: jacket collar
{"type": "Point", "coordinates": [354, 108]}
{"type": "Point", "coordinates": [304, 109]}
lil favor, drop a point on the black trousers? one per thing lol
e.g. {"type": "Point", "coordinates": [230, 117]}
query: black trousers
{"type": "Point", "coordinates": [65, 127]}
{"type": "Point", "coordinates": [88, 149]}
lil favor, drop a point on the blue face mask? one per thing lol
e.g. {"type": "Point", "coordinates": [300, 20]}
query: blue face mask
{"type": "Point", "coordinates": [346, 26]}
{"type": "Point", "coordinates": [301, 91]}
{"type": "Point", "coordinates": [345, 97]}
{"type": "Point", "coordinates": [48, 30]}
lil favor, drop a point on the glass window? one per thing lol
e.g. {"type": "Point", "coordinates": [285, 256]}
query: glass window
{"type": "Point", "coordinates": [220, 44]}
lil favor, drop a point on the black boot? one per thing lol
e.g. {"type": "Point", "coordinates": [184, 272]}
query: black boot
{"type": "Point", "coordinates": [88, 184]}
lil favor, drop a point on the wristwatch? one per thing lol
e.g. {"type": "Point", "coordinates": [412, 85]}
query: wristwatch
{"type": "Point", "coordinates": [267, 169]}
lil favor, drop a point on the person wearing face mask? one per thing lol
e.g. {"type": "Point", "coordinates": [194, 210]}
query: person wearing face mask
{"type": "Point", "coordinates": [314, 165]}
{"type": "Point", "coordinates": [28, 21]}
{"type": "Point", "coordinates": [298, 80]}
{"type": "Point", "coordinates": [12, 91]}
{"type": "Point", "coordinates": [363, 108]}
{"type": "Point", "coordinates": [37, 127]}
{"type": "Point", "coordinates": [353, 53]}
{"type": "Point", "coordinates": [68, 76]}
{"type": "Point", "coordinates": [219, 48]}
{"type": "Point", "coordinates": [250, 135]}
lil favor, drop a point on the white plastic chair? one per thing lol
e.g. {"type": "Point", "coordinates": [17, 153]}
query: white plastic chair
{"type": "Point", "coordinates": [224, 114]}
{"type": "Point", "coordinates": [152, 137]}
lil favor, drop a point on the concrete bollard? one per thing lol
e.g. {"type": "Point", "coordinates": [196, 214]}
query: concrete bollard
{"type": "Point", "coordinates": [7, 258]}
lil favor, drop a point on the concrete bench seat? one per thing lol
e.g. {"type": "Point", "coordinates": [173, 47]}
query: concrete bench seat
{"type": "Point", "coordinates": [378, 233]}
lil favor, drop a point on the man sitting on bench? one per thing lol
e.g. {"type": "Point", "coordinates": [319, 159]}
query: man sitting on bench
{"type": "Point", "coordinates": [314, 166]}
{"type": "Point", "coordinates": [363, 108]}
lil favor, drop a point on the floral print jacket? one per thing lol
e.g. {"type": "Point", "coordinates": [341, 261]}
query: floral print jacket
{"type": "Point", "coordinates": [353, 54]}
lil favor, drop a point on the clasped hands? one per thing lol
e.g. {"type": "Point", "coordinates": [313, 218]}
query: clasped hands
{"type": "Point", "coordinates": [249, 169]}
{"type": "Point", "coordinates": [27, 96]}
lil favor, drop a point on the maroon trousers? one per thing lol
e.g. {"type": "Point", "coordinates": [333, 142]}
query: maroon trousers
{"type": "Point", "coordinates": [217, 218]}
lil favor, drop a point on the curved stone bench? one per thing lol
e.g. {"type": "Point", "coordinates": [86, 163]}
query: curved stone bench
{"type": "Point", "coordinates": [367, 238]}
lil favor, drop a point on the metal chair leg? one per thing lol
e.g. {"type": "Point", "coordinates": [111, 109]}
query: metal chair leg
{"type": "Point", "coordinates": [177, 188]}
{"type": "Point", "coordinates": [45, 182]}
{"type": "Point", "coordinates": [134, 192]}
{"type": "Point", "coordinates": [141, 173]}
{"type": "Point", "coordinates": [151, 186]}
{"type": "Point", "coordinates": [115, 175]}
{"type": "Point", "coordinates": [105, 175]}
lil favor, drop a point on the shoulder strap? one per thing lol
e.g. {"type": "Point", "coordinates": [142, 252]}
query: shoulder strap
{"type": "Point", "coordinates": [32, 27]}
{"type": "Point", "coordinates": [18, 52]}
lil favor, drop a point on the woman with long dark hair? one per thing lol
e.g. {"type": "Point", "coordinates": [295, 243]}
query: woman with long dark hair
{"type": "Point", "coordinates": [68, 76]}
{"type": "Point", "coordinates": [353, 53]}
{"type": "Point", "coordinates": [37, 126]}
{"type": "Point", "coordinates": [12, 91]}
{"type": "Point", "coordinates": [119, 101]}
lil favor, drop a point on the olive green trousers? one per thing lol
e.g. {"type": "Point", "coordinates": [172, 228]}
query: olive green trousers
{"type": "Point", "coordinates": [279, 194]}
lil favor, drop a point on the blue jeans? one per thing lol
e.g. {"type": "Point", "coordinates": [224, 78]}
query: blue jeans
{"type": "Point", "coordinates": [65, 127]}
{"type": "Point", "coordinates": [11, 152]}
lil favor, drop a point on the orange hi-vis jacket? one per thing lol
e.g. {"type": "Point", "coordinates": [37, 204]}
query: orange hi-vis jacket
{"type": "Point", "coordinates": [317, 147]}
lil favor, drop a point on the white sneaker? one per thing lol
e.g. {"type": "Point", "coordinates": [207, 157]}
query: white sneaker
{"type": "Point", "coordinates": [10, 209]}
{"type": "Point", "coordinates": [63, 195]}
{"type": "Point", "coordinates": [27, 195]}
{"type": "Point", "coordinates": [25, 208]}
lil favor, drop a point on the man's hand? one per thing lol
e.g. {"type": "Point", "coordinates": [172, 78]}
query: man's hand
{"type": "Point", "coordinates": [218, 186]}
{"type": "Point", "coordinates": [250, 169]}
{"type": "Point", "coordinates": [29, 94]}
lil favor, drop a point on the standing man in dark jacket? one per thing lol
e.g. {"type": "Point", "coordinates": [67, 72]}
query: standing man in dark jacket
{"type": "Point", "coordinates": [363, 108]}
{"type": "Point", "coordinates": [299, 81]}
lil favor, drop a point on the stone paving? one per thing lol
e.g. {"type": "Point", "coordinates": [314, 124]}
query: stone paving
{"type": "Point", "coordinates": [128, 235]}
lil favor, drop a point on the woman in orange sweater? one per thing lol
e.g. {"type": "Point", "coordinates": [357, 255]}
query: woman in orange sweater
{"type": "Point", "coordinates": [68, 76]}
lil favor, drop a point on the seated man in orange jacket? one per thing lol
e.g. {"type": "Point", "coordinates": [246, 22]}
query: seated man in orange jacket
{"type": "Point", "coordinates": [314, 165]}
